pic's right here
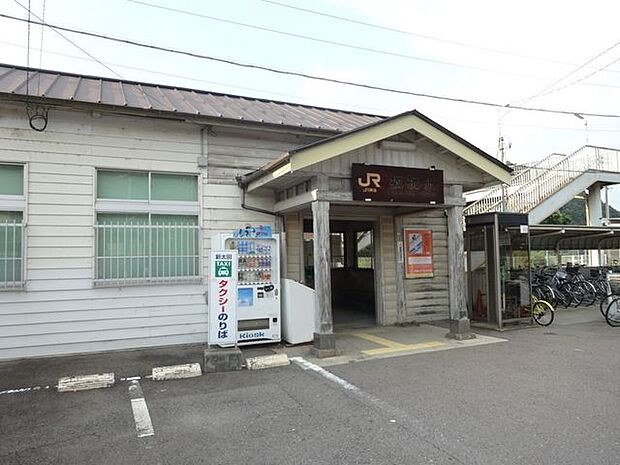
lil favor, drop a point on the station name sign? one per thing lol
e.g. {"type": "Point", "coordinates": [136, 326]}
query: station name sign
{"type": "Point", "coordinates": [396, 184]}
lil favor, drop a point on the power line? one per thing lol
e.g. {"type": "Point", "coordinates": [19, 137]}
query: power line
{"type": "Point", "coordinates": [414, 34]}
{"type": "Point", "coordinates": [547, 89]}
{"type": "Point", "coordinates": [301, 98]}
{"type": "Point", "coordinates": [195, 79]}
{"type": "Point", "coordinates": [333, 42]}
{"type": "Point", "coordinates": [315, 77]}
{"type": "Point", "coordinates": [28, 54]}
{"type": "Point", "coordinates": [55, 29]}
{"type": "Point", "coordinates": [41, 48]}
{"type": "Point", "coordinates": [578, 81]}
{"type": "Point", "coordinates": [589, 84]}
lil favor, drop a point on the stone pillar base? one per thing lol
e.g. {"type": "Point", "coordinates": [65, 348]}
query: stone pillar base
{"type": "Point", "coordinates": [460, 330]}
{"type": "Point", "coordinates": [324, 345]}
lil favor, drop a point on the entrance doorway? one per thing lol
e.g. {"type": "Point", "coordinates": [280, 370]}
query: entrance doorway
{"type": "Point", "coordinates": [352, 271]}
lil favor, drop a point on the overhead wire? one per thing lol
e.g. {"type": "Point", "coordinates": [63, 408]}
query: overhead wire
{"type": "Point", "coordinates": [421, 36]}
{"type": "Point", "coordinates": [547, 89]}
{"type": "Point", "coordinates": [196, 79]}
{"type": "Point", "coordinates": [589, 84]}
{"type": "Point", "coordinates": [333, 42]}
{"type": "Point", "coordinates": [580, 80]}
{"type": "Point", "coordinates": [315, 77]}
{"type": "Point", "coordinates": [41, 47]}
{"type": "Point", "coordinates": [365, 109]}
{"type": "Point", "coordinates": [43, 23]}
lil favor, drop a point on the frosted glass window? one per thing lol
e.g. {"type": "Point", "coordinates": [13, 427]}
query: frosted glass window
{"type": "Point", "coordinates": [174, 187]}
{"type": "Point", "coordinates": [11, 180]}
{"type": "Point", "coordinates": [126, 186]}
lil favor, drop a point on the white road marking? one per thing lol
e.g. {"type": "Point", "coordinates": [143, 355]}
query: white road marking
{"type": "Point", "coordinates": [435, 439]}
{"type": "Point", "coordinates": [132, 378]}
{"type": "Point", "coordinates": [141, 416]}
{"type": "Point", "coordinates": [306, 365]}
{"type": "Point", "coordinates": [25, 389]}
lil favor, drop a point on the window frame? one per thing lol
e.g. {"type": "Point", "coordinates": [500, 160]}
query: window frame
{"type": "Point", "coordinates": [149, 207]}
{"type": "Point", "coordinates": [18, 203]}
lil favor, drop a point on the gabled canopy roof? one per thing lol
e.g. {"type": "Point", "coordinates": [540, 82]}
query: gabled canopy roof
{"type": "Point", "coordinates": [337, 145]}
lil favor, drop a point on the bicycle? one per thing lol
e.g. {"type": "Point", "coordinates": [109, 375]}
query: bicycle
{"type": "Point", "coordinates": [612, 313]}
{"type": "Point", "coordinates": [542, 311]}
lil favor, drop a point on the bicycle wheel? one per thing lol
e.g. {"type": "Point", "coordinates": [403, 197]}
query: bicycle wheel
{"type": "Point", "coordinates": [605, 303]}
{"type": "Point", "coordinates": [562, 296]}
{"type": "Point", "coordinates": [602, 288]}
{"type": "Point", "coordinates": [543, 313]}
{"type": "Point", "coordinates": [612, 314]}
{"type": "Point", "coordinates": [588, 291]}
{"type": "Point", "coordinates": [574, 293]}
{"type": "Point", "coordinates": [546, 293]}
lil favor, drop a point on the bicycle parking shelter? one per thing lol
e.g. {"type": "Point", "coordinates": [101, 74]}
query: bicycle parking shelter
{"type": "Point", "coordinates": [501, 249]}
{"type": "Point", "coordinates": [498, 263]}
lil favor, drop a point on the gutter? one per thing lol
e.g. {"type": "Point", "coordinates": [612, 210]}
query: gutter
{"type": "Point", "coordinates": [246, 179]}
{"type": "Point", "coordinates": [244, 186]}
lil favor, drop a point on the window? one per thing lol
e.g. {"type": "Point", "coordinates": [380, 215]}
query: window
{"type": "Point", "coordinates": [12, 205]}
{"type": "Point", "coordinates": [147, 228]}
{"type": "Point", "coordinates": [364, 249]}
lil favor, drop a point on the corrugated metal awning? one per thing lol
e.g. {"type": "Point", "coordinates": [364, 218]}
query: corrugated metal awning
{"type": "Point", "coordinates": [543, 237]}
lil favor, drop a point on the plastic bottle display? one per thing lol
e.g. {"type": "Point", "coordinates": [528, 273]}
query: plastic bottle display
{"type": "Point", "coordinates": [254, 261]}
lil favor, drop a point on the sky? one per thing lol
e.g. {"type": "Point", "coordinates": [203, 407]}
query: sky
{"type": "Point", "coordinates": [544, 54]}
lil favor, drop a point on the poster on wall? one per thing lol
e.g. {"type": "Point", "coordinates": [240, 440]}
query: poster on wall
{"type": "Point", "coordinates": [418, 253]}
{"type": "Point", "coordinates": [223, 297]}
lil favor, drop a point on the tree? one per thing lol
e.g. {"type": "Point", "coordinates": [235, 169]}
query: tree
{"type": "Point", "coordinates": [558, 217]}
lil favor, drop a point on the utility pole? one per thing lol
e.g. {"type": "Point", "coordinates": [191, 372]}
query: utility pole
{"type": "Point", "coordinates": [501, 150]}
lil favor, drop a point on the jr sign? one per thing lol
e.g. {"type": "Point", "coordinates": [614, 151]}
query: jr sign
{"type": "Point", "coordinates": [396, 184]}
{"type": "Point", "coordinates": [223, 298]}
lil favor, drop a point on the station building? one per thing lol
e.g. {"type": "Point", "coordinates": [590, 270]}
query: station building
{"type": "Point", "coordinates": [111, 192]}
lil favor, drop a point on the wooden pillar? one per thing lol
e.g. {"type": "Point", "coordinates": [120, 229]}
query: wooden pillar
{"type": "Point", "coordinates": [324, 338]}
{"type": "Point", "coordinates": [459, 323]}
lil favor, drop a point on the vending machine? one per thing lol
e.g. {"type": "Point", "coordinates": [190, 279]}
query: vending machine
{"type": "Point", "coordinates": [258, 285]}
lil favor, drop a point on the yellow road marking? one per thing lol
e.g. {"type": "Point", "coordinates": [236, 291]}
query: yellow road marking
{"type": "Point", "coordinates": [403, 347]}
{"type": "Point", "coordinates": [380, 340]}
{"type": "Point", "coordinates": [393, 346]}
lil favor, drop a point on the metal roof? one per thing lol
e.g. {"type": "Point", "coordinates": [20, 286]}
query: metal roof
{"type": "Point", "coordinates": [115, 93]}
{"type": "Point", "coordinates": [547, 237]}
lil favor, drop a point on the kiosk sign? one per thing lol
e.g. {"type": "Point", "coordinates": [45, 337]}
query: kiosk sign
{"type": "Point", "coordinates": [223, 297]}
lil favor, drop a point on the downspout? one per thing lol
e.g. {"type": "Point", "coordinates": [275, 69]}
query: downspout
{"type": "Point", "coordinates": [250, 207]}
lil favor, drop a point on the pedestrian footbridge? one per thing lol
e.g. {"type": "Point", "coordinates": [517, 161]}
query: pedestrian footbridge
{"type": "Point", "coordinates": [542, 188]}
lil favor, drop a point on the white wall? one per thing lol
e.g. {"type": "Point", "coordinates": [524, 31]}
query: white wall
{"type": "Point", "coordinates": [60, 311]}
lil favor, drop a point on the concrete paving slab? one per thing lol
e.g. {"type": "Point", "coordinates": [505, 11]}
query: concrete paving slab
{"type": "Point", "coordinates": [387, 341]}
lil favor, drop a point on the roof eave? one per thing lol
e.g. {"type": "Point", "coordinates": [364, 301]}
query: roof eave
{"type": "Point", "coordinates": [366, 135]}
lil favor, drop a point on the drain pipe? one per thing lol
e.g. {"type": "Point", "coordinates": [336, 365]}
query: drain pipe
{"type": "Point", "coordinates": [245, 206]}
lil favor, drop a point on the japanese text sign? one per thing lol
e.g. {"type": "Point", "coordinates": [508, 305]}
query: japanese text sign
{"type": "Point", "coordinates": [396, 184]}
{"type": "Point", "coordinates": [223, 297]}
{"type": "Point", "coordinates": [258, 232]}
{"type": "Point", "coordinates": [418, 253]}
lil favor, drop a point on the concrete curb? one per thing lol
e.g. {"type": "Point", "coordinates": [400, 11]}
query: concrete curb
{"type": "Point", "coordinates": [189, 370]}
{"type": "Point", "coordinates": [85, 382]}
{"type": "Point", "coordinates": [267, 361]}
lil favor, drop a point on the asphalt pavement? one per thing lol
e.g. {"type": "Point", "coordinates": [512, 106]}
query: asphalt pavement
{"type": "Point", "coordinates": [547, 396]}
